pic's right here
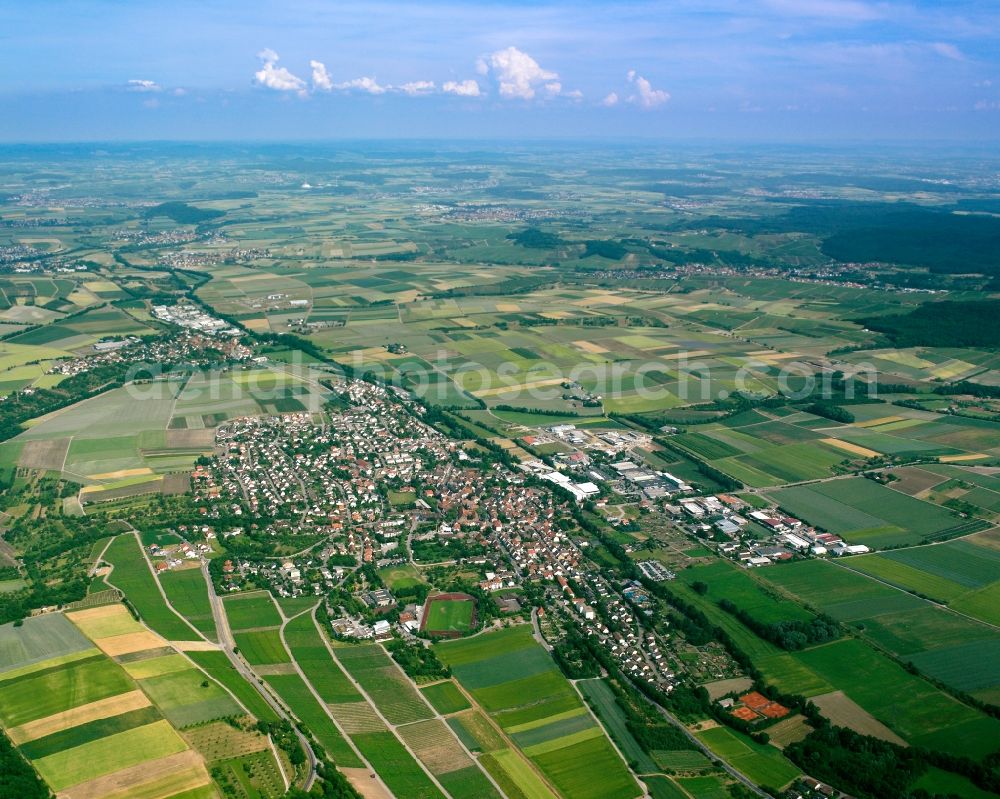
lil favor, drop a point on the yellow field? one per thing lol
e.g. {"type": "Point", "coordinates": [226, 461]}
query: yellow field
{"type": "Point", "coordinates": [121, 473]}
{"type": "Point", "coordinates": [361, 779]}
{"type": "Point", "coordinates": [880, 420]}
{"type": "Point", "coordinates": [508, 307]}
{"type": "Point", "coordinates": [156, 666]}
{"type": "Point", "coordinates": [129, 643]}
{"type": "Point", "coordinates": [854, 449]}
{"type": "Point", "coordinates": [591, 347]}
{"type": "Point", "coordinates": [105, 621]}
{"type": "Point", "coordinates": [155, 779]}
{"type": "Point", "coordinates": [194, 646]}
{"type": "Point", "coordinates": [972, 456]}
{"type": "Point", "coordinates": [604, 298]}
{"type": "Point", "coordinates": [492, 392]}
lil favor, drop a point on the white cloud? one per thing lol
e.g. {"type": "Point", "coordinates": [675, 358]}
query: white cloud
{"type": "Point", "coordinates": [646, 96]}
{"type": "Point", "coordinates": [947, 50]}
{"type": "Point", "coordinates": [611, 100]}
{"type": "Point", "coordinates": [417, 87]}
{"type": "Point", "coordinates": [519, 76]}
{"type": "Point", "coordinates": [271, 76]}
{"type": "Point", "coordinates": [364, 84]}
{"type": "Point", "coordinates": [321, 79]}
{"type": "Point", "coordinates": [465, 88]}
{"type": "Point", "coordinates": [143, 86]}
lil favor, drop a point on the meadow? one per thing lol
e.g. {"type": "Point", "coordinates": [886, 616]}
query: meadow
{"type": "Point", "coordinates": [763, 764]}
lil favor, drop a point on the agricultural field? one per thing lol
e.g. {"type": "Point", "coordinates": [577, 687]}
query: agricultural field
{"type": "Point", "coordinates": [251, 611]}
{"type": "Point", "coordinates": [132, 574]}
{"type": "Point", "coordinates": [602, 700]}
{"type": "Point", "coordinates": [517, 683]}
{"type": "Point", "coordinates": [597, 287]}
{"type": "Point", "coordinates": [947, 646]}
{"type": "Point", "coordinates": [379, 676]}
{"type": "Point", "coordinates": [188, 594]}
{"type": "Point", "coordinates": [445, 697]}
{"type": "Point", "coordinates": [865, 512]}
{"type": "Point", "coordinates": [761, 763]}
{"type": "Point", "coordinates": [87, 727]}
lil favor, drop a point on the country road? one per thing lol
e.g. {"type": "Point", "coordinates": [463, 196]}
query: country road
{"type": "Point", "coordinates": [228, 644]}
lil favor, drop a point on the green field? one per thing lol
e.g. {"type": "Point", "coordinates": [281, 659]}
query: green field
{"type": "Point", "coordinates": [602, 700]}
{"type": "Point", "coordinates": [132, 575]}
{"type": "Point", "coordinates": [954, 649]}
{"type": "Point", "coordinates": [262, 647]}
{"type": "Point", "coordinates": [217, 665]}
{"type": "Point", "coordinates": [187, 697]}
{"type": "Point", "coordinates": [396, 766]}
{"type": "Point", "coordinates": [296, 694]}
{"type": "Point", "coordinates": [45, 691]}
{"type": "Point", "coordinates": [251, 610]}
{"type": "Point", "coordinates": [445, 697]}
{"type": "Point", "coordinates": [517, 682]}
{"type": "Point", "coordinates": [866, 512]}
{"type": "Point", "coordinates": [380, 677]}
{"type": "Point", "coordinates": [115, 752]}
{"type": "Point", "coordinates": [188, 593]}
{"type": "Point", "coordinates": [763, 764]}
{"type": "Point", "coordinates": [307, 647]}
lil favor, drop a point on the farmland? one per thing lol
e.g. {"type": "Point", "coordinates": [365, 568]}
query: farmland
{"type": "Point", "coordinates": [83, 722]}
{"type": "Point", "coordinates": [948, 647]}
{"type": "Point", "coordinates": [133, 576]}
{"type": "Point", "coordinates": [516, 682]}
{"type": "Point", "coordinates": [867, 513]}
{"type": "Point", "coordinates": [669, 311]}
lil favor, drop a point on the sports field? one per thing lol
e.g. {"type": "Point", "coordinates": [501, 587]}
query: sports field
{"type": "Point", "coordinates": [444, 615]}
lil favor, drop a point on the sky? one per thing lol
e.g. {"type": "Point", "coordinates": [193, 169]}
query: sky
{"type": "Point", "coordinates": [755, 70]}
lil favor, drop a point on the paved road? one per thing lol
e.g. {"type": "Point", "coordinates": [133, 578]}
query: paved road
{"type": "Point", "coordinates": [706, 751]}
{"type": "Point", "coordinates": [228, 644]}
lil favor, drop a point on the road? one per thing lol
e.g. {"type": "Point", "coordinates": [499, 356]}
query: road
{"type": "Point", "coordinates": [228, 644]}
{"type": "Point", "coordinates": [537, 631]}
{"type": "Point", "coordinates": [736, 775]}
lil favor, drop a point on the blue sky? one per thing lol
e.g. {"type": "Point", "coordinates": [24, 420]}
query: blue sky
{"type": "Point", "coordinates": [726, 69]}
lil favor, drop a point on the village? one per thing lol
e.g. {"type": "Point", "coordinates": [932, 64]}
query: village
{"type": "Point", "coordinates": [376, 483]}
